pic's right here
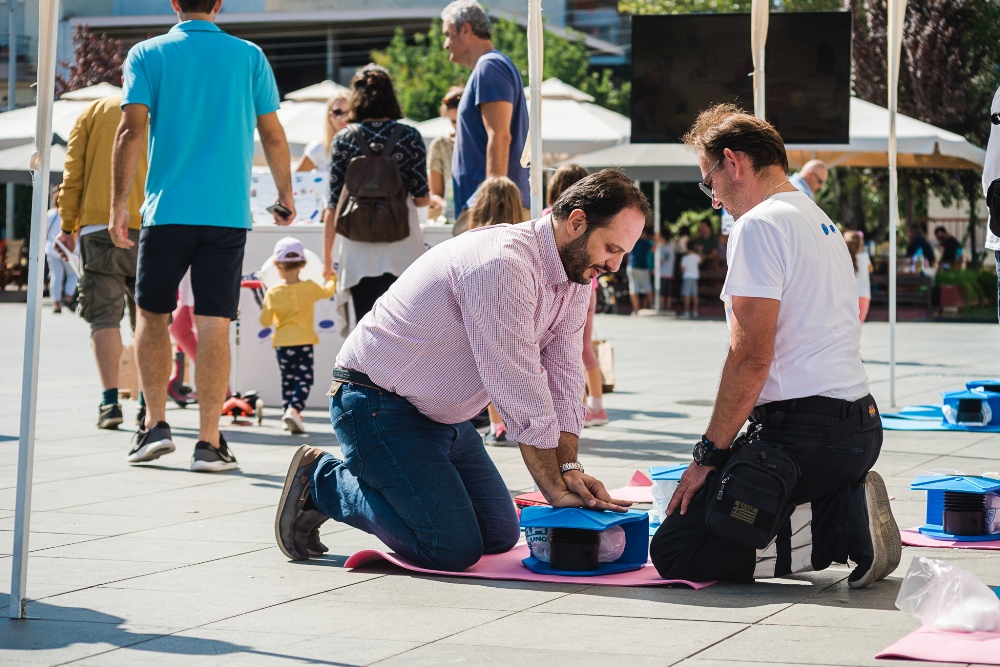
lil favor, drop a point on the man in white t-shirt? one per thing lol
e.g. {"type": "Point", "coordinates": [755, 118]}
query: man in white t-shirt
{"type": "Point", "coordinates": [794, 368]}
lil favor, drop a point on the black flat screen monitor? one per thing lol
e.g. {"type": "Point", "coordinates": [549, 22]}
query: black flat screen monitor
{"type": "Point", "coordinates": [684, 63]}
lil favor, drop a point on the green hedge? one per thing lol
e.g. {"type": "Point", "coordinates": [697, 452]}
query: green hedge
{"type": "Point", "coordinates": [977, 286]}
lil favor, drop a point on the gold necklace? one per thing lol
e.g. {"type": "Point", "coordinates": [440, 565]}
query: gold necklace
{"type": "Point", "coordinates": [775, 188]}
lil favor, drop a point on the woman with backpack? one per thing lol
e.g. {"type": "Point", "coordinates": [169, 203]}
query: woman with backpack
{"type": "Point", "coordinates": [378, 177]}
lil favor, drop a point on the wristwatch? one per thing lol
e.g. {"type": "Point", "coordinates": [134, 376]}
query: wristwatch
{"type": "Point", "coordinates": [707, 454]}
{"type": "Point", "coordinates": [566, 467]}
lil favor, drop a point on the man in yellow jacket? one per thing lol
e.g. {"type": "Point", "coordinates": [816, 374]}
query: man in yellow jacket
{"type": "Point", "coordinates": [108, 280]}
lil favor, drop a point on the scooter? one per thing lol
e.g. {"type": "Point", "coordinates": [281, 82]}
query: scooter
{"type": "Point", "coordinates": [247, 404]}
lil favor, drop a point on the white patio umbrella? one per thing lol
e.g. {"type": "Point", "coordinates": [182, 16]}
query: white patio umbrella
{"type": "Point", "coordinates": [571, 123]}
{"type": "Point", "coordinates": [15, 163]}
{"type": "Point", "coordinates": [17, 127]}
{"type": "Point", "coordinates": [48, 29]}
{"type": "Point", "coordinates": [318, 92]}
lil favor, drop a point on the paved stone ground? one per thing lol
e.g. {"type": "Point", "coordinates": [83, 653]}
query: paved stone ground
{"type": "Point", "coordinates": [154, 564]}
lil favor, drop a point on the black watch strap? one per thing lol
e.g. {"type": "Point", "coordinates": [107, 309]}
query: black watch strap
{"type": "Point", "coordinates": [707, 454]}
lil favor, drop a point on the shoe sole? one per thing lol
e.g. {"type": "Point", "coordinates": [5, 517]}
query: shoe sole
{"type": "Point", "coordinates": [596, 422]}
{"type": "Point", "coordinates": [152, 451]}
{"type": "Point", "coordinates": [110, 424]}
{"type": "Point", "coordinates": [213, 466]}
{"type": "Point", "coordinates": [292, 427]}
{"type": "Point", "coordinates": [293, 470]}
{"type": "Point", "coordinates": [886, 542]}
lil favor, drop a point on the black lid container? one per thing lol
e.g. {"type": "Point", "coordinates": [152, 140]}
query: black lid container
{"type": "Point", "coordinates": [964, 513]}
{"type": "Point", "coordinates": [574, 549]}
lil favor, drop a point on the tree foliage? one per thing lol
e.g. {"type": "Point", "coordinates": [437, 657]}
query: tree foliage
{"type": "Point", "coordinates": [96, 59]}
{"type": "Point", "coordinates": [423, 73]}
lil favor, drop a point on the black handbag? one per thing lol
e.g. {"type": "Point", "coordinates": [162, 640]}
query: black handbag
{"type": "Point", "coordinates": [753, 495]}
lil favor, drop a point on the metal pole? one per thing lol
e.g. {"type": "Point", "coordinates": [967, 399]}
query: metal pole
{"type": "Point", "coordinates": [11, 99]}
{"type": "Point", "coordinates": [758, 40]}
{"type": "Point", "coordinates": [656, 239]}
{"type": "Point", "coordinates": [535, 60]}
{"type": "Point", "coordinates": [330, 74]}
{"type": "Point", "coordinates": [48, 30]}
{"type": "Point", "coordinates": [896, 14]}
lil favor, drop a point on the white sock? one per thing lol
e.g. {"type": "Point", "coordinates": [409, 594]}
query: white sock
{"type": "Point", "coordinates": [595, 404]}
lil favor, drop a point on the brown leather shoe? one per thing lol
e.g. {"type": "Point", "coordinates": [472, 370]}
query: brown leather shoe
{"type": "Point", "coordinates": [293, 523]}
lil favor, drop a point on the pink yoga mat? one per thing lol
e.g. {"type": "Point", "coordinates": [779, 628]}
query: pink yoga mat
{"type": "Point", "coordinates": [913, 538]}
{"type": "Point", "coordinates": [508, 566]}
{"type": "Point", "coordinates": [638, 490]}
{"type": "Point", "coordinates": [937, 646]}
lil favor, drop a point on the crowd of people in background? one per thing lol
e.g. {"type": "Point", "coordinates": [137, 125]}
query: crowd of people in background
{"type": "Point", "coordinates": [471, 175]}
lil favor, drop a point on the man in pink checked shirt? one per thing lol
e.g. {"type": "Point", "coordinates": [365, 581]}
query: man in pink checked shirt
{"type": "Point", "coordinates": [495, 314]}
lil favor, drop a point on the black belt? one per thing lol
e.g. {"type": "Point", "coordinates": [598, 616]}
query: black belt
{"type": "Point", "coordinates": [347, 376]}
{"type": "Point", "coordinates": [858, 415]}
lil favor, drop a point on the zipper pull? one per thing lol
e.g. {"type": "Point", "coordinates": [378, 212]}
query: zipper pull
{"type": "Point", "coordinates": [722, 487]}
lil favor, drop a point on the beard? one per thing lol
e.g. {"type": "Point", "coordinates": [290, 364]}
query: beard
{"type": "Point", "coordinates": [576, 259]}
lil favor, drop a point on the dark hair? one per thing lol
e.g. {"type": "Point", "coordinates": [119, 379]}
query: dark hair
{"type": "Point", "coordinates": [728, 126]}
{"type": "Point", "coordinates": [197, 6]}
{"type": "Point", "coordinates": [452, 97]}
{"type": "Point", "coordinates": [939, 229]}
{"type": "Point", "coordinates": [373, 95]}
{"type": "Point", "coordinates": [665, 233]}
{"type": "Point", "coordinates": [565, 176]}
{"type": "Point", "coordinates": [601, 197]}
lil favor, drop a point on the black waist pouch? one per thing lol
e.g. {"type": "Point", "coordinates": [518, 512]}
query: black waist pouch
{"type": "Point", "coordinates": [753, 496]}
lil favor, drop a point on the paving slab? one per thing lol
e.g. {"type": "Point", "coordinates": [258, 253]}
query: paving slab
{"type": "Point", "coordinates": [156, 565]}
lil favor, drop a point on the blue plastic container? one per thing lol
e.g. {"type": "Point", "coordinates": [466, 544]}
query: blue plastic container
{"type": "Point", "coordinates": [935, 486]}
{"type": "Point", "coordinates": [635, 525]}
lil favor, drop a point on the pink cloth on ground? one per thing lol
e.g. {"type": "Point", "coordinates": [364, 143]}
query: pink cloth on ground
{"type": "Point", "coordinates": [913, 537]}
{"type": "Point", "coordinates": [937, 646]}
{"type": "Point", "coordinates": [508, 566]}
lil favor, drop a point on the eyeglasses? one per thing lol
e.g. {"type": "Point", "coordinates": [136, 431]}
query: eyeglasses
{"type": "Point", "coordinates": [705, 186]}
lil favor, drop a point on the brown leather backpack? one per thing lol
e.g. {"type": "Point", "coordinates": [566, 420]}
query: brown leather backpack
{"type": "Point", "coordinates": [372, 204]}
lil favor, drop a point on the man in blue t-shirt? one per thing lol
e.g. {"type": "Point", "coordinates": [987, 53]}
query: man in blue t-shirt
{"type": "Point", "coordinates": [640, 272]}
{"type": "Point", "coordinates": [203, 92]}
{"type": "Point", "coordinates": [492, 115]}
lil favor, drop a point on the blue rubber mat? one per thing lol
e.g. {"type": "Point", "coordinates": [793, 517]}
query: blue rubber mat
{"type": "Point", "coordinates": [898, 423]}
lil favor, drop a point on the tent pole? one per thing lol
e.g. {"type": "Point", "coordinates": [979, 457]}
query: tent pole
{"type": "Point", "coordinates": [896, 15]}
{"type": "Point", "coordinates": [47, 34]}
{"type": "Point", "coordinates": [535, 56]}
{"type": "Point", "coordinates": [11, 99]}
{"type": "Point", "coordinates": [758, 39]}
{"type": "Point", "coordinates": [656, 239]}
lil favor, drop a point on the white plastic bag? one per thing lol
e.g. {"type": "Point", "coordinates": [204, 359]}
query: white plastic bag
{"type": "Point", "coordinates": [944, 596]}
{"type": "Point", "coordinates": [663, 490]}
{"type": "Point", "coordinates": [611, 549]}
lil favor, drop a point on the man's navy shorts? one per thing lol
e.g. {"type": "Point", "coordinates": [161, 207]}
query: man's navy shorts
{"type": "Point", "coordinates": [214, 255]}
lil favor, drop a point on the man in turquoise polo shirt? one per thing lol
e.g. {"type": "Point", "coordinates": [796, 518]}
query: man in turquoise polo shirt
{"type": "Point", "coordinates": [203, 92]}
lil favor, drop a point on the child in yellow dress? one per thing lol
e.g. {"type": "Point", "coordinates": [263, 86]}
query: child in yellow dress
{"type": "Point", "coordinates": [288, 306]}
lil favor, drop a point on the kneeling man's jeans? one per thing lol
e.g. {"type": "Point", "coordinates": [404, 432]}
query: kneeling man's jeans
{"type": "Point", "coordinates": [817, 534]}
{"type": "Point", "coordinates": [428, 490]}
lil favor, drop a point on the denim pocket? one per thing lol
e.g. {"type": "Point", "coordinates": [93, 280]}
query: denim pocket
{"type": "Point", "coordinates": [347, 435]}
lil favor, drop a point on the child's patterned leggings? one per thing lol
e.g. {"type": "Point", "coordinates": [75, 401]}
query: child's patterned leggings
{"type": "Point", "coordinates": [296, 364]}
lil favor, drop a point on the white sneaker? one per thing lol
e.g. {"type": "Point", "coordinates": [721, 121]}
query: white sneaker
{"type": "Point", "coordinates": [293, 421]}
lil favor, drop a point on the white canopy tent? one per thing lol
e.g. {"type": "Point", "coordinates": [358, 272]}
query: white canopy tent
{"type": "Point", "coordinates": [918, 145]}
{"type": "Point", "coordinates": [15, 164]}
{"type": "Point", "coordinates": [17, 127]}
{"type": "Point", "coordinates": [318, 92]}
{"type": "Point", "coordinates": [571, 123]}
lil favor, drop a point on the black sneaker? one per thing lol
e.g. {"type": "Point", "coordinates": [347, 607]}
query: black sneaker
{"type": "Point", "coordinates": [876, 546]}
{"type": "Point", "coordinates": [140, 418]}
{"type": "Point", "coordinates": [152, 444]}
{"type": "Point", "coordinates": [207, 458]}
{"type": "Point", "coordinates": [110, 416]}
{"type": "Point", "coordinates": [497, 438]}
